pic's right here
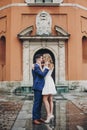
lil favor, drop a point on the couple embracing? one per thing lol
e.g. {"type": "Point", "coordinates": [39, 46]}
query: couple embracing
{"type": "Point", "coordinates": [43, 86]}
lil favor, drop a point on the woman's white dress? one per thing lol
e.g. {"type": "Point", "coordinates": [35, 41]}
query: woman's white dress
{"type": "Point", "coordinates": [49, 87]}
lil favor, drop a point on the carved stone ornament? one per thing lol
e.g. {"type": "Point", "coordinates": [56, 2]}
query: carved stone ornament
{"type": "Point", "coordinates": [43, 23]}
{"type": "Point", "coordinates": [26, 44]}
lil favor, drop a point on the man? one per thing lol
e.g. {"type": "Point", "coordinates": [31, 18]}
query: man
{"type": "Point", "coordinates": [38, 84]}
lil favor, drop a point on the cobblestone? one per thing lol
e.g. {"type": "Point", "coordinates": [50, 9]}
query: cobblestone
{"type": "Point", "coordinates": [8, 113]}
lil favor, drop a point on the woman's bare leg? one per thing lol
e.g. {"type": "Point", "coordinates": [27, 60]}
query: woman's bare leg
{"type": "Point", "coordinates": [51, 104]}
{"type": "Point", "coordinates": [47, 105]}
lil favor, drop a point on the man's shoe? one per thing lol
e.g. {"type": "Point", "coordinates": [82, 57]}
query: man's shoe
{"type": "Point", "coordinates": [41, 120]}
{"type": "Point", "coordinates": [36, 122]}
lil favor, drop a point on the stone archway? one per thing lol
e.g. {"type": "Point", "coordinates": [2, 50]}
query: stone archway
{"type": "Point", "coordinates": [57, 51]}
{"type": "Point", "coordinates": [42, 51]}
{"type": "Point", "coordinates": [54, 45]}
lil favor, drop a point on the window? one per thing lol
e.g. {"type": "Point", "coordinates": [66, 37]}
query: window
{"type": "Point", "coordinates": [2, 50]}
{"type": "Point", "coordinates": [48, 1]}
{"type": "Point", "coordinates": [43, 1]}
{"type": "Point", "coordinates": [38, 1]}
{"type": "Point", "coordinates": [2, 58]}
{"type": "Point", "coordinates": [84, 48]}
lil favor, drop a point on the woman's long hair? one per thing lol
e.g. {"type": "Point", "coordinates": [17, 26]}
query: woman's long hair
{"type": "Point", "coordinates": [48, 58]}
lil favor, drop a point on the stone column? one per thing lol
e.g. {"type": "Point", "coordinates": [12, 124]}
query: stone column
{"type": "Point", "coordinates": [26, 62]}
{"type": "Point", "coordinates": [61, 57]}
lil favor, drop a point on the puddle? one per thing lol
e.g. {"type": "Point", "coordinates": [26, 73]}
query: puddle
{"type": "Point", "coordinates": [67, 117]}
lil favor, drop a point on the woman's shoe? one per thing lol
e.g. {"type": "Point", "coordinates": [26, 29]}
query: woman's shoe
{"type": "Point", "coordinates": [52, 116]}
{"type": "Point", "coordinates": [47, 120]}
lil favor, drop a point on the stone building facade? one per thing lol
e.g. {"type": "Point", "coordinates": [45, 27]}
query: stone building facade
{"type": "Point", "coordinates": [29, 27]}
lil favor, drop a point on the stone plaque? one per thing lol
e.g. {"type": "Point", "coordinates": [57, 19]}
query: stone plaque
{"type": "Point", "coordinates": [43, 23]}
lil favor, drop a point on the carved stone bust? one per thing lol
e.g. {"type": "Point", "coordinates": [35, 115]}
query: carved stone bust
{"type": "Point", "coordinates": [43, 23]}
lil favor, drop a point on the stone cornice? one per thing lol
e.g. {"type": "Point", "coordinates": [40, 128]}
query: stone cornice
{"type": "Point", "coordinates": [26, 35]}
{"type": "Point", "coordinates": [46, 38]}
{"type": "Point", "coordinates": [50, 4]}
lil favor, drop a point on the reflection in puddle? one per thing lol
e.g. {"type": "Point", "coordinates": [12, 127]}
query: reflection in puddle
{"type": "Point", "coordinates": [42, 127]}
{"type": "Point", "coordinates": [67, 117]}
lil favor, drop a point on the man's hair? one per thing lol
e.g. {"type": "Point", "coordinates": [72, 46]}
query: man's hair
{"type": "Point", "coordinates": [37, 56]}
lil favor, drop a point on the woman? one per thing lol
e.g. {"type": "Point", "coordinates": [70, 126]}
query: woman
{"type": "Point", "coordinates": [49, 88]}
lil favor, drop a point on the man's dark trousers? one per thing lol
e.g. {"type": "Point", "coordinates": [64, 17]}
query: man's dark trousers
{"type": "Point", "coordinates": [37, 104]}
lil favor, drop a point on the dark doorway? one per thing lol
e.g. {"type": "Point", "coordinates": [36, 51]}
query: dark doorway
{"type": "Point", "coordinates": [42, 51]}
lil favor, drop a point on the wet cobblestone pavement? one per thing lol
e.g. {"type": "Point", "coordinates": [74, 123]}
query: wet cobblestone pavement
{"type": "Point", "coordinates": [67, 117]}
{"type": "Point", "coordinates": [76, 119]}
{"type": "Point", "coordinates": [70, 112]}
{"type": "Point", "coordinates": [9, 110]}
{"type": "Point", "coordinates": [79, 99]}
{"type": "Point", "coordinates": [8, 113]}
